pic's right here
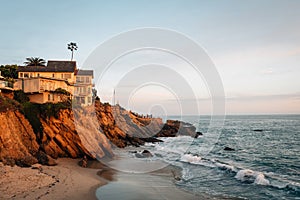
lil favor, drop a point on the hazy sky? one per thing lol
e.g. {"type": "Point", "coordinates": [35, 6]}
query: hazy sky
{"type": "Point", "coordinates": [255, 45]}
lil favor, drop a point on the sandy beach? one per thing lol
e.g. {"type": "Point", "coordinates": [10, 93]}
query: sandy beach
{"type": "Point", "coordinates": [67, 180]}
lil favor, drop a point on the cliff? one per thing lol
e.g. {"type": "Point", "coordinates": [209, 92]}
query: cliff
{"type": "Point", "coordinates": [50, 131]}
{"type": "Point", "coordinates": [17, 140]}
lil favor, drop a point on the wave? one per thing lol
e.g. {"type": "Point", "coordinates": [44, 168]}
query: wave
{"type": "Point", "coordinates": [250, 176]}
{"type": "Point", "coordinates": [193, 159]}
{"type": "Point", "coordinates": [179, 149]}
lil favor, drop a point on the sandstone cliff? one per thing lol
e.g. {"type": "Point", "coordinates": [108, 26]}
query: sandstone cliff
{"type": "Point", "coordinates": [90, 131]}
{"type": "Point", "coordinates": [17, 140]}
{"type": "Point", "coordinates": [62, 138]}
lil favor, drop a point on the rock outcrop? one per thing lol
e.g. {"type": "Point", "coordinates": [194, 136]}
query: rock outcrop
{"type": "Point", "coordinates": [18, 143]}
{"type": "Point", "coordinates": [63, 138]}
{"type": "Point", "coordinates": [74, 133]}
{"type": "Point", "coordinates": [173, 128]}
{"type": "Point", "coordinates": [124, 128]}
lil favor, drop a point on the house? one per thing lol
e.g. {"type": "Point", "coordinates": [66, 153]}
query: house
{"type": "Point", "coordinates": [52, 83]}
{"type": "Point", "coordinates": [83, 86]}
{"type": "Point", "coordinates": [6, 88]}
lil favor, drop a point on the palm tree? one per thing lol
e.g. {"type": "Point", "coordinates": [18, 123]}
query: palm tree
{"type": "Point", "coordinates": [72, 46]}
{"type": "Point", "coordinates": [35, 61]}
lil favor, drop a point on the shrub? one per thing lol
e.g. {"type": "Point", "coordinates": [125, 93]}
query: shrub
{"type": "Point", "coordinates": [20, 96]}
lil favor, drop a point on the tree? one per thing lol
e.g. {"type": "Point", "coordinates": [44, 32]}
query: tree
{"type": "Point", "coordinates": [94, 93]}
{"type": "Point", "coordinates": [72, 46]}
{"type": "Point", "coordinates": [35, 61]}
{"type": "Point", "coordinates": [9, 71]}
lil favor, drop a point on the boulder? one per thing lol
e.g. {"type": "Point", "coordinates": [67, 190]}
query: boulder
{"type": "Point", "coordinates": [198, 134]}
{"type": "Point", "coordinates": [147, 153]}
{"type": "Point", "coordinates": [45, 159]}
{"type": "Point", "coordinates": [229, 149]}
{"type": "Point", "coordinates": [144, 154]}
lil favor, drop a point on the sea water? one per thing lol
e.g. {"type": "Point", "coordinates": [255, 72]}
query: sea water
{"type": "Point", "coordinates": [264, 163]}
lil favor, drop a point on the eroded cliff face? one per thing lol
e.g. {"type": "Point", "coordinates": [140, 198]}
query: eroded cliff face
{"type": "Point", "coordinates": [90, 131]}
{"type": "Point", "coordinates": [63, 138]}
{"type": "Point", "coordinates": [18, 143]}
{"type": "Point", "coordinates": [123, 128]}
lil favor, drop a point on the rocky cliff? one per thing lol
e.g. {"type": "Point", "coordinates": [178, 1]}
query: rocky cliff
{"type": "Point", "coordinates": [17, 140]}
{"type": "Point", "coordinates": [90, 131]}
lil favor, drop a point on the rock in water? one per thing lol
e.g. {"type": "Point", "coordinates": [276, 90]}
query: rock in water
{"type": "Point", "coordinates": [147, 153]}
{"type": "Point", "coordinates": [198, 134]}
{"type": "Point", "coordinates": [144, 154]}
{"type": "Point", "coordinates": [228, 149]}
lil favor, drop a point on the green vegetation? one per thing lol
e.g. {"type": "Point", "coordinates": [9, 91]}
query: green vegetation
{"type": "Point", "coordinates": [62, 91]}
{"type": "Point", "coordinates": [9, 71]}
{"type": "Point", "coordinates": [8, 104]}
{"type": "Point", "coordinates": [35, 61]}
{"type": "Point", "coordinates": [20, 96]}
{"type": "Point", "coordinates": [32, 113]}
{"type": "Point", "coordinates": [72, 46]}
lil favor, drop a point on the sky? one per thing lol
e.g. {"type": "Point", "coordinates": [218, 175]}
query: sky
{"type": "Point", "coordinates": [254, 45]}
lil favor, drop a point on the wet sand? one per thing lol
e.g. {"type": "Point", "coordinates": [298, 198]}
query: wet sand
{"type": "Point", "coordinates": [156, 185]}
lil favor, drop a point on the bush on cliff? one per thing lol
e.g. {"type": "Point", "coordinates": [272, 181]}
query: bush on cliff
{"type": "Point", "coordinates": [20, 96]}
{"type": "Point", "coordinates": [32, 113]}
{"type": "Point", "coordinates": [8, 104]}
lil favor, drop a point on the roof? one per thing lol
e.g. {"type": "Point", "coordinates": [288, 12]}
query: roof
{"type": "Point", "coordinates": [52, 66]}
{"type": "Point", "coordinates": [82, 72]}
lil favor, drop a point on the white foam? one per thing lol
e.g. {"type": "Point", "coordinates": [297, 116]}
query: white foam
{"type": "Point", "coordinates": [261, 180]}
{"type": "Point", "coordinates": [252, 176]}
{"type": "Point", "coordinates": [191, 159]}
{"type": "Point", "coordinates": [225, 166]}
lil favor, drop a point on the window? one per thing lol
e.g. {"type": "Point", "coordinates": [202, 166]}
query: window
{"type": "Point", "coordinates": [50, 97]}
{"type": "Point", "coordinates": [26, 75]}
{"type": "Point", "coordinates": [31, 75]}
{"type": "Point", "coordinates": [38, 75]}
{"type": "Point", "coordinates": [62, 76]}
{"type": "Point", "coordinates": [87, 79]}
{"type": "Point", "coordinates": [77, 79]}
{"type": "Point", "coordinates": [89, 100]}
{"type": "Point", "coordinates": [67, 76]}
{"type": "Point", "coordinates": [53, 75]}
{"type": "Point", "coordinates": [21, 75]}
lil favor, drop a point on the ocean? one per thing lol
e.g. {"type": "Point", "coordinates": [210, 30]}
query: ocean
{"type": "Point", "coordinates": [264, 163]}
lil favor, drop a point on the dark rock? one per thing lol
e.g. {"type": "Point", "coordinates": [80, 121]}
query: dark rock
{"type": "Point", "coordinates": [45, 159]}
{"type": "Point", "coordinates": [258, 130]}
{"type": "Point", "coordinates": [147, 153]}
{"type": "Point", "coordinates": [151, 139]}
{"type": "Point", "coordinates": [144, 154]}
{"type": "Point", "coordinates": [173, 128]}
{"type": "Point", "coordinates": [198, 134]}
{"type": "Point", "coordinates": [228, 149]}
